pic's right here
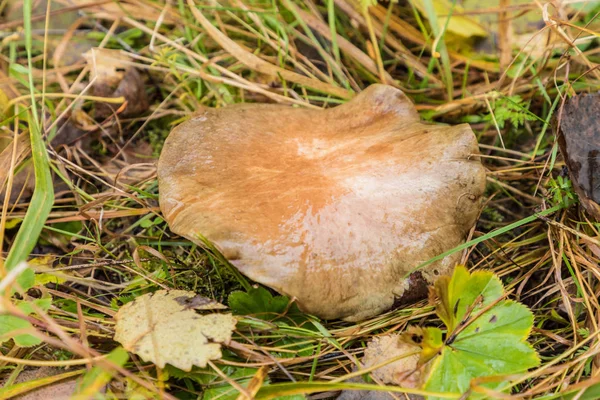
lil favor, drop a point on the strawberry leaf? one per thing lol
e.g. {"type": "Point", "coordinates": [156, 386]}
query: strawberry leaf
{"type": "Point", "coordinates": [487, 336]}
{"type": "Point", "coordinates": [463, 292]}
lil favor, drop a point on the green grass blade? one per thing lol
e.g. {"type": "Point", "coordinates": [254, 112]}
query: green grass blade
{"type": "Point", "coordinates": [487, 236]}
{"type": "Point", "coordinates": [441, 45]}
{"type": "Point", "coordinates": [27, 6]}
{"type": "Point", "coordinates": [43, 195]}
{"type": "Point", "coordinates": [331, 20]}
{"type": "Point", "coordinates": [38, 211]}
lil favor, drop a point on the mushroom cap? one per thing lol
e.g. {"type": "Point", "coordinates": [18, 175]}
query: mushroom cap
{"type": "Point", "coordinates": [333, 207]}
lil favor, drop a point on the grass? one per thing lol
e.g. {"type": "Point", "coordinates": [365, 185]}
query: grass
{"type": "Point", "coordinates": [99, 241]}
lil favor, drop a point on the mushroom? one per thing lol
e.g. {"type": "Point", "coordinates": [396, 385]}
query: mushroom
{"type": "Point", "coordinates": [333, 207]}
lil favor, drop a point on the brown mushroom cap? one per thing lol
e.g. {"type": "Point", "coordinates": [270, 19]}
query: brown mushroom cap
{"type": "Point", "coordinates": [333, 207]}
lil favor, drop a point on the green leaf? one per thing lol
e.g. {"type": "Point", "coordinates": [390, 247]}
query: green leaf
{"type": "Point", "coordinates": [447, 374]}
{"type": "Point", "coordinates": [224, 391]}
{"type": "Point", "coordinates": [216, 388]}
{"type": "Point", "coordinates": [459, 293]}
{"type": "Point", "coordinates": [432, 343]}
{"type": "Point", "coordinates": [486, 336]}
{"type": "Point", "coordinates": [10, 325]}
{"type": "Point", "coordinates": [27, 307]}
{"type": "Point", "coordinates": [146, 222]}
{"type": "Point", "coordinates": [513, 109]}
{"type": "Point", "coordinates": [257, 302]}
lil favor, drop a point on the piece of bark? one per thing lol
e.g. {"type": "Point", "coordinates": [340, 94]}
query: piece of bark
{"type": "Point", "coordinates": [579, 141]}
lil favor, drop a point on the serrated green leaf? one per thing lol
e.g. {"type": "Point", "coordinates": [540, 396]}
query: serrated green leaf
{"type": "Point", "coordinates": [495, 355]}
{"type": "Point", "coordinates": [511, 108]}
{"type": "Point", "coordinates": [506, 318]}
{"type": "Point", "coordinates": [459, 293]}
{"type": "Point", "coordinates": [257, 302]}
{"type": "Point", "coordinates": [447, 374]}
{"type": "Point", "coordinates": [478, 343]}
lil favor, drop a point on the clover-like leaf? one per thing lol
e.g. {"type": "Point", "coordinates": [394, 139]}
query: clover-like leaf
{"type": "Point", "coordinates": [163, 327]}
{"type": "Point", "coordinates": [486, 335]}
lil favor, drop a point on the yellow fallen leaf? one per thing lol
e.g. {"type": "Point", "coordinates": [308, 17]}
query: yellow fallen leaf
{"type": "Point", "coordinates": [43, 268]}
{"type": "Point", "coordinates": [13, 223]}
{"type": "Point", "coordinates": [162, 327]}
{"type": "Point", "coordinates": [457, 25]}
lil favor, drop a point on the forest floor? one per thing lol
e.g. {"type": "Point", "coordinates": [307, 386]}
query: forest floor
{"type": "Point", "coordinates": [79, 190]}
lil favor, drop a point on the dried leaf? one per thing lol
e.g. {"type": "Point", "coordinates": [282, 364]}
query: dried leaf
{"type": "Point", "coordinates": [199, 303]}
{"type": "Point", "coordinates": [402, 372]}
{"type": "Point", "coordinates": [161, 328]}
{"type": "Point", "coordinates": [114, 76]}
{"type": "Point", "coordinates": [579, 141]}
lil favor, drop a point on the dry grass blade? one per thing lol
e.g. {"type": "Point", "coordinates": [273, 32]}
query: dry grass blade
{"type": "Point", "coordinates": [259, 65]}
